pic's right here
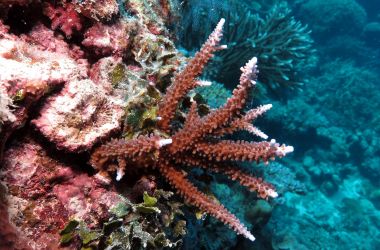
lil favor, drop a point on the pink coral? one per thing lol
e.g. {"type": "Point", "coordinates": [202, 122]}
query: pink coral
{"type": "Point", "coordinates": [106, 39]}
{"type": "Point", "coordinates": [97, 10]}
{"type": "Point", "coordinates": [9, 237]}
{"type": "Point", "coordinates": [66, 18]}
{"type": "Point", "coordinates": [63, 94]}
{"type": "Point", "coordinates": [23, 63]}
{"type": "Point", "coordinates": [44, 194]}
{"type": "Point", "coordinates": [46, 39]}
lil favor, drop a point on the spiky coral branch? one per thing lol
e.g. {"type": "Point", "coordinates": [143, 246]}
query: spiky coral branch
{"type": "Point", "coordinates": [193, 196]}
{"type": "Point", "coordinates": [218, 118]}
{"type": "Point", "coordinates": [237, 150]}
{"type": "Point", "coordinates": [185, 80]}
{"type": "Point", "coordinates": [198, 143]}
{"type": "Point", "coordinates": [141, 151]}
{"type": "Point", "coordinates": [263, 189]}
{"type": "Point", "coordinates": [245, 123]}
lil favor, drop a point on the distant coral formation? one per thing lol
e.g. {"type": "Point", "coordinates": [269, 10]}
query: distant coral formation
{"type": "Point", "coordinates": [282, 44]}
{"type": "Point", "coordinates": [337, 17]}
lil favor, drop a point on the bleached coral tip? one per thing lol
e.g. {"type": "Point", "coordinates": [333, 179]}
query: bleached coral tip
{"type": "Point", "coordinates": [264, 136]}
{"type": "Point", "coordinates": [251, 63]}
{"type": "Point", "coordinates": [289, 149]}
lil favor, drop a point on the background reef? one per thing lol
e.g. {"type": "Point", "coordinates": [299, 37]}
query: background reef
{"type": "Point", "coordinates": [76, 73]}
{"type": "Point", "coordinates": [330, 185]}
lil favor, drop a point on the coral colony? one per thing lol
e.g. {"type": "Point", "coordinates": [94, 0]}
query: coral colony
{"type": "Point", "coordinates": [118, 82]}
{"type": "Point", "coordinates": [198, 143]}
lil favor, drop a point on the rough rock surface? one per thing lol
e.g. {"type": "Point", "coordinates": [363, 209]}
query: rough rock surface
{"type": "Point", "coordinates": [79, 116]}
{"type": "Point", "coordinates": [44, 194]}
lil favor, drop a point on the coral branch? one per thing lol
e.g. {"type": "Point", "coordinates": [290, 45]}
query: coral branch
{"type": "Point", "coordinates": [198, 142]}
{"type": "Point", "coordinates": [244, 123]}
{"type": "Point", "coordinates": [193, 196]}
{"type": "Point", "coordinates": [141, 146]}
{"type": "Point", "coordinates": [237, 150]}
{"type": "Point", "coordinates": [185, 80]}
{"type": "Point", "coordinates": [263, 189]}
{"type": "Point", "coordinates": [219, 117]}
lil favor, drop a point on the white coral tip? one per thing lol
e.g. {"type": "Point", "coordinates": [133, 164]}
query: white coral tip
{"type": "Point", "coordinates": [272, 193]}
{"type": "Point", "coordinates": [163, 142]}
{"type": "Point", "coordinates": [267, 107]}
{"type": "Point", "coordinates": [204, 83]}
{"type": "Point", "coordinates": [251, 63]}
{"type": "Point", "coordinates": [119, 174]}
{"type": "Point", "coordinates": [283, 150]}
{"type": "Point", "coordinates": [272, 142]}
{"type": "Point", "coordinates": [220, 24]}
{"type": "Point", "coordinates": [250, 236]}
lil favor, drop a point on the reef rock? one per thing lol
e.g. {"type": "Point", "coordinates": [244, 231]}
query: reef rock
{"type": "Point", "coordinates": [79, 116]}
{"type": "Point", "coordinates": [44, 194]}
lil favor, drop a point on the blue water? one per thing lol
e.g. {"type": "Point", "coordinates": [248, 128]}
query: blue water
{"type": "Point", "coordinates": [326, 103]}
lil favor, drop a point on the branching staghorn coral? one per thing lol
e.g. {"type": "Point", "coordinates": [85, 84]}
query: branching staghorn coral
{"type": "Point", "coordinates": [282, 45]}
{"type": "Point", "coordinates": [198, 17]}
{"type": "Point", "coordinates": [199, 142]}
